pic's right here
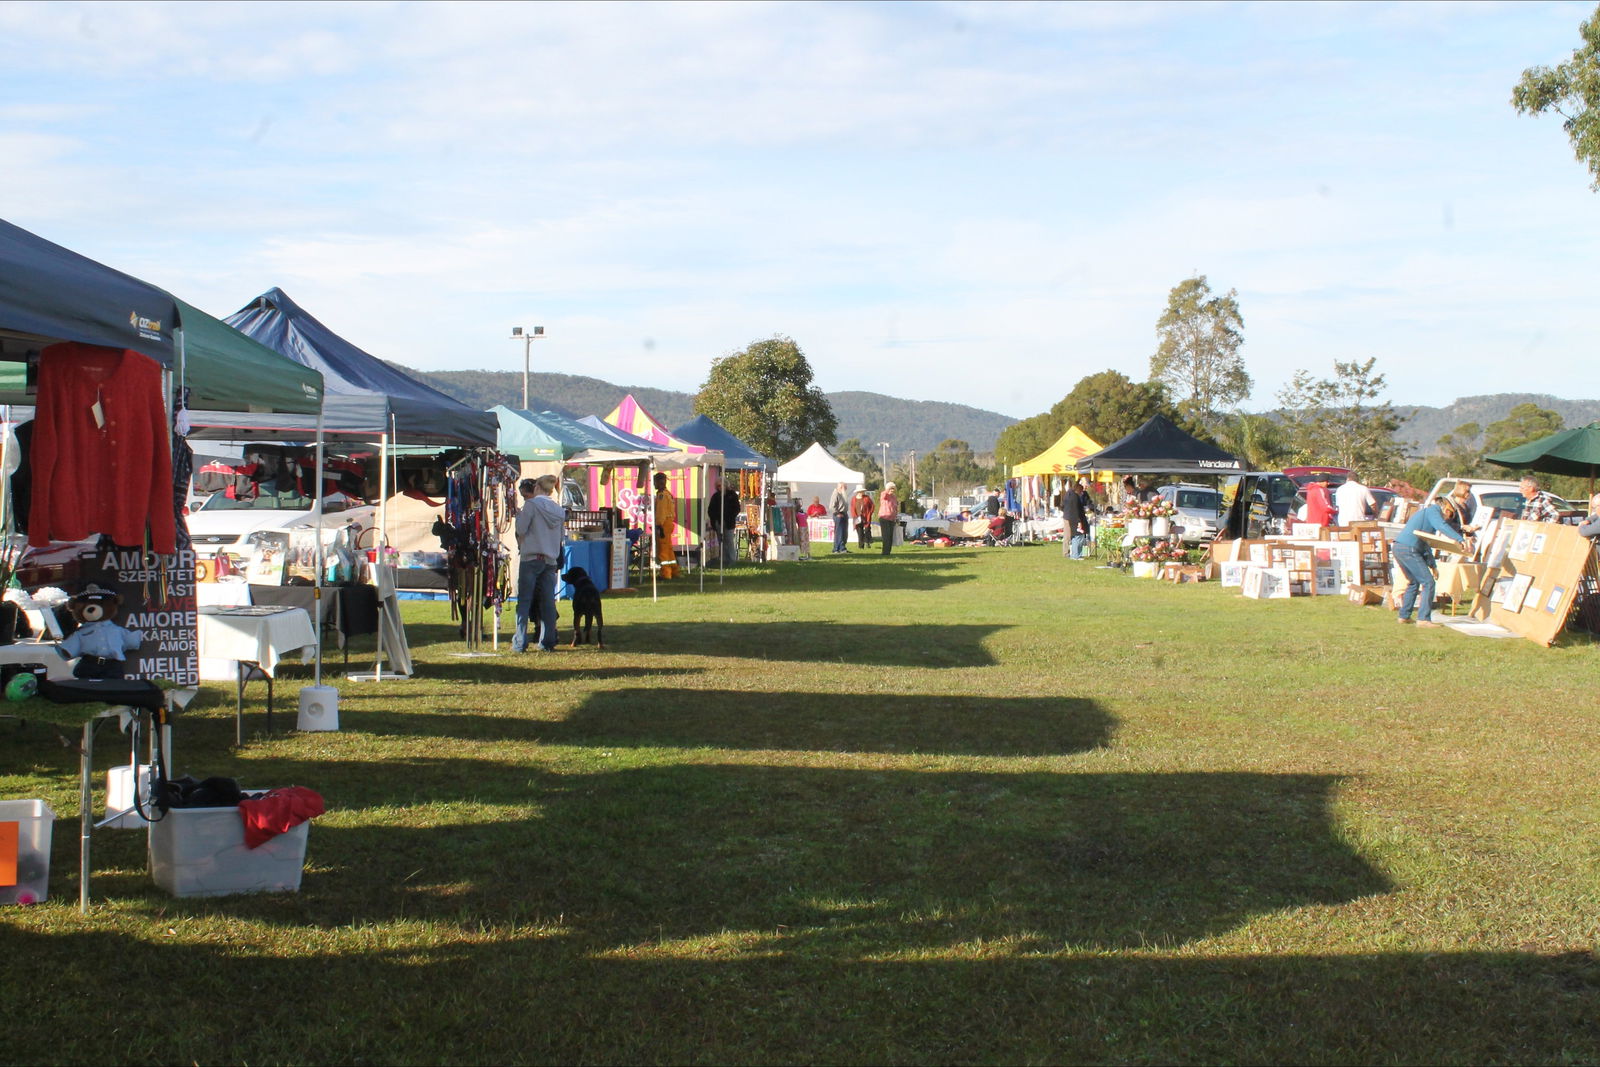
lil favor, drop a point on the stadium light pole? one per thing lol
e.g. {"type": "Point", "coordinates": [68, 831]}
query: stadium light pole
{"type": "Point", "coordinates": [527, 339]}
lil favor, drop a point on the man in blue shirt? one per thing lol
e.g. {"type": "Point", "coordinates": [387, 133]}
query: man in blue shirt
{"type": "Point", "coordinates": [1415, 558]}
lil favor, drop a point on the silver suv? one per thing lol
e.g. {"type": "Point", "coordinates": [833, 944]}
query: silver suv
{"type": "Point", "coordinates": [1199, 510]}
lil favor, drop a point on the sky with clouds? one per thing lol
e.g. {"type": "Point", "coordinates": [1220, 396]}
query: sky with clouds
{"type": "Point", "coordinates": [971, 202]}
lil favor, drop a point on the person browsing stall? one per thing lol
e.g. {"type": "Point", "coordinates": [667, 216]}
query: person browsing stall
{"type": "Point", "coordinates": [1354, 501]}
{"type": "Point", "coordinates": [538, 527]}
{"type": "Point", "coordinates": [861, 513]}
{"type": "Point", "coordinates": [1537, 505]}
{"type": "Point", "coordinates": [1466, 506]}
{"type": "Point", "coordinates": [1415, 558]}
{"type": "Point", "coordinates": [839, 508]}
{"type": "Point", "coordinates": [888, 515]}
{"type": "Point", "coordinates": [1591, 522]}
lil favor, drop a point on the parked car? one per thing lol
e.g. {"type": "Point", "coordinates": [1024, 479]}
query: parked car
{"type": "Point", "coordinates": [1505, 497]}
{"type": "Point", "coordinates": [1199, 510]}
{"type": "Point", "coordinates": [223, 524]}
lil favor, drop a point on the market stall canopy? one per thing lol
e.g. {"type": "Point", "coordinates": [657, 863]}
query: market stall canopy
{"type": "Point", "coordinates": [1161, 447]}
{"type": "Point", "coordinates": [706, 432]}
{"type": "Point", "coordinates": [663, 457]}
{"type": "Point", "coordinates": [224, 369]}
{"type": "Point", "coordinates": [364, 394]}
{"type": "Point", "coordinates": [524, 438]}
{"type": "Point", "coordinates": [628, 440]}
{"type": "Point", "coordinates": [1061, 457]}
{"type": "Point", "coordinates": [815, 473]}
{"type": "Point", "coordinates": [50, 293]}
{"type": "Point", "coordinates": [630, 416]}
{"type": "Point", "coordinates": [1574, 452]}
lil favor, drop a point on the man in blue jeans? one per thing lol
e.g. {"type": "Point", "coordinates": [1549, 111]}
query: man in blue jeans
{"type": "Point", "coordinates": [539, 525]}
{"type": "Point", "coordinates": [839, 509]}
{"type": "Point", "coordinates": [1415, 558]}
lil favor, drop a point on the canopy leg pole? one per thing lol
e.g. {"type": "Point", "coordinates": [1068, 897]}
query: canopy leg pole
{"type": "Point", "coordinates": [655, 549]}
{"type": "Point", "coordinates": [383, 544]}
{"type": "Point", "coordinates": [316, 509]}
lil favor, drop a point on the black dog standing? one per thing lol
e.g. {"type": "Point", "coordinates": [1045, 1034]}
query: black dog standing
{"type": "Point", "coordinates": [587, 613]}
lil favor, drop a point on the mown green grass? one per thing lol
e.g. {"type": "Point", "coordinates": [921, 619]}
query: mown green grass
{"type": "Point", "coordinates": [953, 806]}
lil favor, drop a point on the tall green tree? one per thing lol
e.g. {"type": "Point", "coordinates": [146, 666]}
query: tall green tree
{"type": "Point", "coordinates": [763, 395]}
{"type": "Point", "coordinates": [1259, 440]}
{"type": "Point", "coordinates": [1106, 406]}
{"type": "Point", "coordinates": [1571, 90]}
{"type": "Point", "coordinates": [1340, 421]}
{"type": "Point", "coordinates": [1197, 350]}
{"type": "Point", "coordinates": [1461, 451]}
{"type": "Point", "coordinates": [951, 469]}
{"type": "Point", "coordinates": [1523, 423]}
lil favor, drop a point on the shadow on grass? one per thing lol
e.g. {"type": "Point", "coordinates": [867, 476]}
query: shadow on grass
{"type": "Point", "coordinates": [719, 718]}
{"type": "Point", "coordinates": [532, 999]}
{"type": "Point", "coordinates": [886, 645]}
{"type": "Point", "coordinates": [846, 861]}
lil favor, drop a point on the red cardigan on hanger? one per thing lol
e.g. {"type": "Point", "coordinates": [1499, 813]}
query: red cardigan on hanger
{"type": "Point", "coordinates": [102, 460]}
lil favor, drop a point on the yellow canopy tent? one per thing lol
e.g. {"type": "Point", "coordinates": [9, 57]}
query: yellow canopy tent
{"type": "Point", "coordinates": [1059, 458]}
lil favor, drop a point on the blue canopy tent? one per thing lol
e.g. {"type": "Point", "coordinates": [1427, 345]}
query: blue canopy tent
{"type": "Point", "coordinates": [49, 293]}
{"type": "Point", "coordinates": [365, 396]}
{"type": "Point", "coordinates": [704, 431]}
{"type": "Point", "coordinates": [627, 440]}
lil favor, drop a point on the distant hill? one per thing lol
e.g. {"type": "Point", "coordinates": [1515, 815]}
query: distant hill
{"type": "Point", "coordinates": [1425, 425]}
{"type": "Point", "coordinates": [871, 417]}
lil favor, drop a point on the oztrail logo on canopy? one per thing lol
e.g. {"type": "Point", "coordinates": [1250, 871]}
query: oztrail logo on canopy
{"type": "Point", "coordinates": [150, 329]}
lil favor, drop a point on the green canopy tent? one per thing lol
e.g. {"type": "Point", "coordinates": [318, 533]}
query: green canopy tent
{"type": "Point", "coordinates": [1574, 452]}
{"type": "Point", "coordinates": [223, 369]}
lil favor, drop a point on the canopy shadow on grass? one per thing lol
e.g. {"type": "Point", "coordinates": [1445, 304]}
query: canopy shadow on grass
{"type": "Point", "coordinates": [886, 645]}
{"type": "Point", "coordinates": [844, 863]}
{"type": "Point", "coordinates": [949, 725]}
{"type": "Point", "coordinates": [541, 999]}
{"type": "Point", "coordinates": [870, 570]}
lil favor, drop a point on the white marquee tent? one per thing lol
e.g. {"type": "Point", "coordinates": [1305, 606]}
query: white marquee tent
{"type": "Point", "coordinates": [814, 473]}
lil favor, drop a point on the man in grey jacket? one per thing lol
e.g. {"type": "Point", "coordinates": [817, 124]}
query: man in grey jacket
{"type": "Point", "coordinates": [839, 510]}
{"type": "Point", "coordinates": [539, 525]}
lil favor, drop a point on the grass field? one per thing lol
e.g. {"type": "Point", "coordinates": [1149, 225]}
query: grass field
{"type": "Point", "coordinates": [956, 806]}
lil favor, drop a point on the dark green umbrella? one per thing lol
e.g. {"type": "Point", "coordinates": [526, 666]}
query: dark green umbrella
{"type": "Point", "coordinates": [1573, 452]}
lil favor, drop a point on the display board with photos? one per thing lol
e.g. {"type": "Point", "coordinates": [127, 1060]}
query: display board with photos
{"type": "Point", "coordinates": [1532, 575]}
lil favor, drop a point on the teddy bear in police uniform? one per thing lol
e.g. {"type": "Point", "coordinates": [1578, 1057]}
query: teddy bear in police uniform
{"type": "Point", "coordinates": [99, 644]}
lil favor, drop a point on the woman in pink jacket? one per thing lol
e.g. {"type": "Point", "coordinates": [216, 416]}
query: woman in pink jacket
{"type": "Point", "coordinates": [888, 515]}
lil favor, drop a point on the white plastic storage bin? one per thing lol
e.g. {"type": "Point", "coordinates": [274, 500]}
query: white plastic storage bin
{"type": "Point", "coordinates": [24, 851]}
{"type": "Point", "coordinates": [121, 814]}
{"type": "Point", "coordinates": [200, 852]}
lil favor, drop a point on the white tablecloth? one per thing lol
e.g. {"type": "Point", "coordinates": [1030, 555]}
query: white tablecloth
{"type": "Point", "coordinates": [56, 668]}
{"type": "Point", "coordinates": [262, 635]}
{"type": "Point", "coordinates": [221, 594]}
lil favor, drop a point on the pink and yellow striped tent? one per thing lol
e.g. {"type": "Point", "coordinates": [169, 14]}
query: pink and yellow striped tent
{"type": "Point", "coordinates": [627, 487]}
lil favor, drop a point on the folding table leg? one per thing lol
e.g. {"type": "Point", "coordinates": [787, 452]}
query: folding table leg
{"type": "Point", "coordinates": [85, 811]}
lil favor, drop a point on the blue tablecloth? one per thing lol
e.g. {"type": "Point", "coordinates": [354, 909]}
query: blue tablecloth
{"type": "Point", "coordinates": [592, 556]}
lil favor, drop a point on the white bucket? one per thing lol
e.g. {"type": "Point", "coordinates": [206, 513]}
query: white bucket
{"type": "Point", "coordinates": [319, 708]}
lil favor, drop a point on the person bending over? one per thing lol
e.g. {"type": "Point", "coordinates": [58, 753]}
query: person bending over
{"type": "Point", "coordinates": [1415, 558]}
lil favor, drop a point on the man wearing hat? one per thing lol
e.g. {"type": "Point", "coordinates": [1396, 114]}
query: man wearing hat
{"type": "Point", "coordinates": [888, 515]}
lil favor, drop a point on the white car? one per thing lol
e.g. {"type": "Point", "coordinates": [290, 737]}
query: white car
{"type": "Point", "coordinates": [221, 524]}
{"type": "Point", "coordinates": [1199, 510]}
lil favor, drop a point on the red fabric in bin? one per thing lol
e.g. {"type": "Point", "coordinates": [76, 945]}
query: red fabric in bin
{"type": "Point", "coordinates": [278, 812]}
